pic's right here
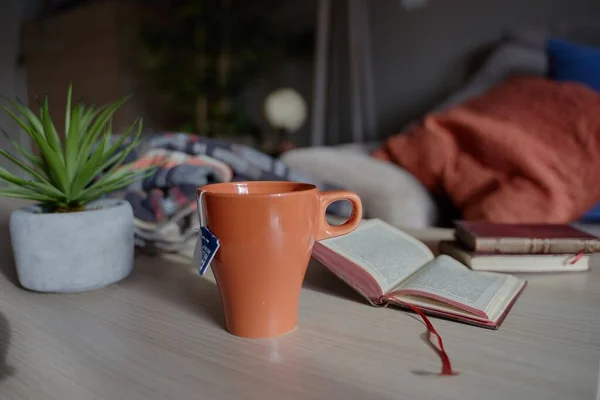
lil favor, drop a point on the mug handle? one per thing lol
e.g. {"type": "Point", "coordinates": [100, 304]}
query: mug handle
{"type": "Point", "coordinates": [325, 230]}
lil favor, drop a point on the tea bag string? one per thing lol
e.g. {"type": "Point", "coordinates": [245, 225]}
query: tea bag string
{"type": "Point", "coordinates": [200, 209]}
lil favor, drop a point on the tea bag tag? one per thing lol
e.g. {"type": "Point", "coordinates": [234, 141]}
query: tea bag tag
{"type": "Point", "coordinates": [206, 248]}
{"type": "Point", "coordinates": [207, 244]}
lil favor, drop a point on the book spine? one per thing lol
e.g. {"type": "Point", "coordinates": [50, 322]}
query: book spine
{"type": "Point", "coordinates": [537, 246]}
{"type": "Point", "coordinates": [465, 237]}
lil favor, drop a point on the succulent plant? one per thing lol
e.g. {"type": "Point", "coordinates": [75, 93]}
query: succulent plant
{"type": "Point", "coordinates": [72, 171]}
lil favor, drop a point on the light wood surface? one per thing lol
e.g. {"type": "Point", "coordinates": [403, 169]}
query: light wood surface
{"type": "Point", "coordinates": [159, 335]}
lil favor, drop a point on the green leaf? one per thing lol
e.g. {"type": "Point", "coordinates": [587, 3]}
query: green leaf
{"type": "Point", "coordinates": [107, 158]}
{"type": "Point", "coordinates": [56, 169]}
{"type": "Point", "coordinates": [88, 171]}
{"type": "Point", "coordinates": [91, 138]}
{"type": "Point", "coordinates": [50, 131]}
{"type": "Point", "coordinates": [29, 115]}
{"type": "Point", "coordinates": [123, 177]}
{"type": "Point", "coordinates": [99, 125]}
{"type": "Point", "coordinates": [31, 158]}
{"type": "Point", "coordinates": [46, 189]}
{"type": "Point", "coordinates": [86, 118]}
{"type": "Point", "coordinates": [118, 158]}
{"type": "Point", "coordinates": [54, 166]}
{"type": "Point", "coordinates": [30, 170]}
{"type": "Point", "coordinates": [12, 178]}
{"type": "Point", "coordinates": [114, 159]}
{"type": "Point", "coordinates": [68, 111]}
{"type": "Point", "coordinates": [112, 186]}
{"type": "Point", "coordinates": [108, 179]}
{"type": "Point", "coordinates": [29, 129]}
{"type": "Point", "coordinates": [72, 144]}
{"type": "Point", "coordinates": [25, 194]}
{"type": "Point", "coordinates": [24, 152]}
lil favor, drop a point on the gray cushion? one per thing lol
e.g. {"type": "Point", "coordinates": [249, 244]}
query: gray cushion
{"type": "Point", "coordinates": [523, 51]}
{"type": "Point", "coordinates": [508, 59]}
{"type": "Point", "coordinates": [387, 191]}
{"type": "Point", "coordinates": [527, 36]}
{"type": "Point", "coordinates": [584, 31]}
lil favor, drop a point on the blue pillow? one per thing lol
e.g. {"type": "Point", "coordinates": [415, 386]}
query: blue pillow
{"type": "Point", "coordinates": [574, 62]}
{"type": "Point", "coordinates": [592, 216]}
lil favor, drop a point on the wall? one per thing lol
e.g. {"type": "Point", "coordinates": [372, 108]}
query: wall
{"type": "Point", "coordinates": [12, 75]}
{"type": "Point", "coordinates": [90, 46]}
{"type": "Point", "coordinates": [422, 55]}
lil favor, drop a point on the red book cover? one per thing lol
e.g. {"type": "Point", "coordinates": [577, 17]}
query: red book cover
{"type": "Point", "coordinates": [492, 237]}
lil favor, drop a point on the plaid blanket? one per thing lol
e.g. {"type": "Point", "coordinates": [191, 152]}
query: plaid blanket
{"type": "Point", "coordinates": [164, 203]}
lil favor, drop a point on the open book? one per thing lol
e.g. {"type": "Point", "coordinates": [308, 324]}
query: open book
{"type": "Point", "coordinates": [386, 265]}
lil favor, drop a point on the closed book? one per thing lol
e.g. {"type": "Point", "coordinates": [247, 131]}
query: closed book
{"type": "Point", "coordinates": [481, 236]}
{"type": "Point", "coordinates": [515, 263]}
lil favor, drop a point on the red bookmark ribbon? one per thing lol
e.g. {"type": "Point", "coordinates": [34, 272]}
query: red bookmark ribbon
{"type": "Point", "coordinates": [577, 257]}
{"type": "Point", "coordinates": [446, 365]}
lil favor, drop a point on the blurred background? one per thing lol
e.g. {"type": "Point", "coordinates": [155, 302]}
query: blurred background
{"type": "Point", "coordinates": [277, 74]}
{"type": "Point", "coordinates": [281, 75]}
{"type": "Point", "coordinates": [207, 66]}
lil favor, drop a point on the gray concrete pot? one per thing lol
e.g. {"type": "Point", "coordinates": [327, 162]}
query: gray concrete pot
{"type": "Point", "coordinates": [73, 252]}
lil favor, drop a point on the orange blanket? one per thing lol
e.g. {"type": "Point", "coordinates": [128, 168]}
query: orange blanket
{"type": "Point", "coordinates": [528, 150]}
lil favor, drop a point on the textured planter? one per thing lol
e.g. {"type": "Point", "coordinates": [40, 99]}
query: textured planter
{"type": "Point", "coordinates": [73, 252]}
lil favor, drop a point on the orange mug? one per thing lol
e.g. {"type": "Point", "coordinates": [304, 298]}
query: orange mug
{"type": "Point", "coordinates": [266, 232]}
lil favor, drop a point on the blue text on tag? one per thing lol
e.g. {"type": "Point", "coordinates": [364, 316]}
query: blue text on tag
{"type": "Point", "coordinates": [206, 248]}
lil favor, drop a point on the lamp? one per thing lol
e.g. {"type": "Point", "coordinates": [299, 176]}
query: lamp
{"type": "Point", "coordinates": [285, 110]}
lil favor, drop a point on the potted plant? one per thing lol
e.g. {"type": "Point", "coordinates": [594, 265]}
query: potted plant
{"type": "Point", "coordinates": [73, 238]}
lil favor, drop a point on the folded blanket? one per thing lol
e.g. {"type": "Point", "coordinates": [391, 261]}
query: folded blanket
{"type": "Point", "coordinates": [528, 150]}
{"type": "Point", "coordinates": [164, 203]}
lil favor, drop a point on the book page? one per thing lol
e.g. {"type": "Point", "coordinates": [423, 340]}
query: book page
{"type": "Point", "coordinates": [386, 253]}
{"type": "Point", "coordinates": [449, 279]}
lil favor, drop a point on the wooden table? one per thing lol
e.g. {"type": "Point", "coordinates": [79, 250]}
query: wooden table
{"type": "Point", "coordinates": [159, 335]}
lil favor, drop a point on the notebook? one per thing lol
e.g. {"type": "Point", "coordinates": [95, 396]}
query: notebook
{"type": "Point", "coordinates": [387, 266]}
{"type": "Point", "coordinates": [506, 262]}
{"type": "Point", "coordinates": [492, 237]}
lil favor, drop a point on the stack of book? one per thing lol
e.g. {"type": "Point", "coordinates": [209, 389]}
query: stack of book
{"type": "Point", "coordinates": [486, 246]}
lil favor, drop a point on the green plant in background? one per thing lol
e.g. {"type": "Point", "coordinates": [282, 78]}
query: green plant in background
{"type": "Point", "coordinates": [62, 178]}
{"type": "Point", "coordinates": [204, 53]}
